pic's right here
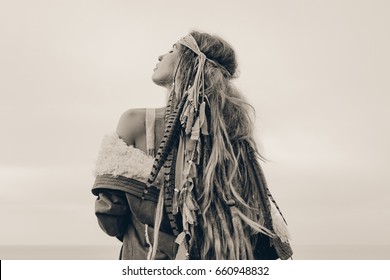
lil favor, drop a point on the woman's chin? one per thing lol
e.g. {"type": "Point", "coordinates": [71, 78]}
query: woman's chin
{"type": "Point", "coordinates": [160, 82]}
{"type": "Point", "coordinates": [156, 80]}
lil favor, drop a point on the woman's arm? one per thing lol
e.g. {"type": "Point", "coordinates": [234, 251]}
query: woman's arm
{"type": "Point", "coordinates": [111, 206]}
{"type": "Point", "coordinates": [112, 212]}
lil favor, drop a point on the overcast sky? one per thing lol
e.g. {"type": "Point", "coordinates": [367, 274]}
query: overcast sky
{"type": "Point", "coordinates": [317, 73]}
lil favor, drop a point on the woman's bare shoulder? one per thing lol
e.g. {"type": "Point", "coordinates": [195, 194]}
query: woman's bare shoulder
{"type": "Point", "coordinates": [131, 124]}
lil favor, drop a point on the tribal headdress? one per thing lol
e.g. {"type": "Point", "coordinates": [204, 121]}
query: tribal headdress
{"type": "Point", "coordinates": [218, 203]}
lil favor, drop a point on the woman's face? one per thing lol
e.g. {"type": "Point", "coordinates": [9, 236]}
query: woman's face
{"type": "Point", "coordinates": [163, 73]}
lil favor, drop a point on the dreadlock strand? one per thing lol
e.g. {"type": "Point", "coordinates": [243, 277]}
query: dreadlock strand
{"type": "Point", "coordinates": [217, 241]}
{"type": "Point", "coordinates": [222, 216]}
{"type": "Point", "coordinates": [208, 241]}
{"type": "Point", "coordinates": [237, 234]}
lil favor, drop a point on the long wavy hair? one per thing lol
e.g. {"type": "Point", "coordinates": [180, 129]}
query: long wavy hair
{"type": "Point", "coordinates": [231, 123]}
{"type": "Point", "coordinates": [230, 206]}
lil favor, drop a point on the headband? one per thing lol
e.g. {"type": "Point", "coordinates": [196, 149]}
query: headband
{"type": "Point", "coordinates": [190, 43]}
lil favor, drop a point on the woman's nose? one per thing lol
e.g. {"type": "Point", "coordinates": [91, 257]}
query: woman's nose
{"type": "Point", "coordinates": [160, 57]}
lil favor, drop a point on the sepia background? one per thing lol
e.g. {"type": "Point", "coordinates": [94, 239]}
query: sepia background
{"type": "Point", "coordinates": [317, 73]}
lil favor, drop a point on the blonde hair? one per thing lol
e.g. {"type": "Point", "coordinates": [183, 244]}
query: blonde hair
{"type": "Point", "coordinates": [234, 209]}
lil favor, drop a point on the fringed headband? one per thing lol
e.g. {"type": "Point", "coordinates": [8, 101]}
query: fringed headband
{"type": "Point", "coordinates": [190, 43]}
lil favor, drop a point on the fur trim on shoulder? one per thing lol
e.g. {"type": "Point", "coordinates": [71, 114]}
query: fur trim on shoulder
{"type": "Point", "coordinates": [279, 224]}
{"type": "Point", "coordinates": [117, 158]}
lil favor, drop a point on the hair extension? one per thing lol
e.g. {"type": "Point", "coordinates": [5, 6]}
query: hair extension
{"type": "Point", "coordinates": [168, 141]}
{"type": "Point", "coordinates": [226, 185]}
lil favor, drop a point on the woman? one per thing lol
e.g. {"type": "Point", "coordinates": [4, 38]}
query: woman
{"type": "Point", "coordinates": [205, 193]}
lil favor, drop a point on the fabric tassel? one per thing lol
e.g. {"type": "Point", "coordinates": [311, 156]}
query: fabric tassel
{"type": "Point", "coordinates": [195, 130]}
{"type": "Point", "coordinates": [203, 119]}
{"type": "Point", "coordinates": [190, 122]}
{"type": "Point", "coordinates": [182, 252]}
{"type": "Point", "coordinates": [187, 204]}
{"type": "Point", "coordinates": [182, 193]}
{"type": "Point", "coordinates": [186, 171]}
{"type": "Point", "coordinates": [190, 144]}
{"type": "Point", "coordinates": [149, 256]}
{"type": "Point", "coordinates": [191, 202]}
{"type": "Point", "coordinates": [190, 217]}
{"type": "Point", "coordinates": [175, 204]}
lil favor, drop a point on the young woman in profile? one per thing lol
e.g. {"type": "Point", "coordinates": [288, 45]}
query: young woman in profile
{"type": "Point", "coordinates": [184, 181]}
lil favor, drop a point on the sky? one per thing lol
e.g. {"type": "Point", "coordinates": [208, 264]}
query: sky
{"type": "Point", "coordinates": [316, 73]}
